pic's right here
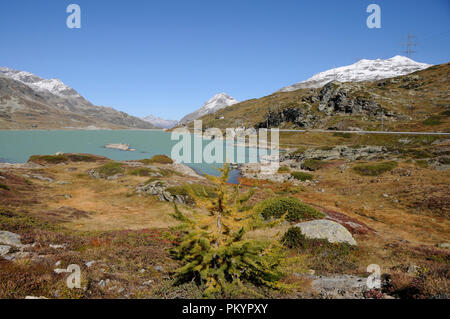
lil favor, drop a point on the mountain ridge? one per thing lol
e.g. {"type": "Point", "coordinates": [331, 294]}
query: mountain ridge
{"type": "Point", "coordinates": [29, 101]}
{"type": "Point", "coordinates": [54, 86]}
{"type": "Point", "coordinates": [160, 122]}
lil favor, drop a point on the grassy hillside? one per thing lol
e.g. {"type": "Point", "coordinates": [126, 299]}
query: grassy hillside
{"type": "Point", "coordinates": [416, 102]}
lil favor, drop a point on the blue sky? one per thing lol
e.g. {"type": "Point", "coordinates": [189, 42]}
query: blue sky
{"type": "Point", "coordinates": [168, 57]}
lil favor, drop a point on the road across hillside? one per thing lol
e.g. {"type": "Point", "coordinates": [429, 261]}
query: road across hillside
{"type": "Point", "coordinates": [365, 132]}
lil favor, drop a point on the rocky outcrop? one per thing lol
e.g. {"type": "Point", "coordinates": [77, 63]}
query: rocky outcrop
{"type": "Point", "coordinates": [336, 97]}
{"type": "Point", "coordinates": [184, 170]}
{"type": "Point", "coordinates": [27, 165]}
{"type": "Point", "coordinates": [159, 189]}
{"type": "Point", "coordinates": [94, 173]}
{"type": "Point", "coordinates": [4, 249]}
{"type": "Point", "coordinates": [256, 171]}
{"type": "Point", "coordinates": [301, 117]}
{"type": "Point", "coordinates": [440, 163]}
{"type": "Point", "coordinates": [326, 229]}
{"type": "Point", "coordinates": [41, 178]}
{"type": "Point", "coordinates": [10, 239]}
{"type": "Point", "coordinates": [337, 152]}
{"type": "Point", "coordinates": [11, 248]}
{"type": "Point", "coordinates": [339, 286]}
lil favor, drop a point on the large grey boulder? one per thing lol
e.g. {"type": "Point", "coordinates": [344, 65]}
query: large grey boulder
{"type": "Point", "coordinates": [10, 239]}
{"type": "Point", "coordinates": [326, 229]}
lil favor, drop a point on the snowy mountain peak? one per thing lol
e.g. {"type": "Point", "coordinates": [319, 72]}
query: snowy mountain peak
{"type": "Point", "coordinates": [53, 86]}
{"type": "Point", "coordinates": [217, 102]}
{"type": "Point", "coordinates": [401, 58]}
{"type": "Point", "coordinates": [363, 70]}
{"type": "Point", "coordinates": [159, 122]}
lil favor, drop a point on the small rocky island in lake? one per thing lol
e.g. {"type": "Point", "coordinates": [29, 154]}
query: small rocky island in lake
{"type": "Point", "coordinates": [122, 147]}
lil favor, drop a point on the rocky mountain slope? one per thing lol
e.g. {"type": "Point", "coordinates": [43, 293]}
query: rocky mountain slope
{"type": "Point", "coordinates": [217, 102]}
{"type": "Point", "coordinates": [28, 101]}
{"type": "Point", "coordinates": [415, 102]}
{"type": "Point", "coordinates": [54, 86]}
{"type": "Point", "coordinates": [363, 70]}
{"type": "Point", "coordinates": [159, 122]}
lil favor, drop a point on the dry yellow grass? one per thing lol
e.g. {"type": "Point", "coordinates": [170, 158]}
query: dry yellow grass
{"type": "Point", "coordinates": [113, 204]}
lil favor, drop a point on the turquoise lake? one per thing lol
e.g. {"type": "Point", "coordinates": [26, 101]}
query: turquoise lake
{"type": "Point", "coordinates": [18, 146]}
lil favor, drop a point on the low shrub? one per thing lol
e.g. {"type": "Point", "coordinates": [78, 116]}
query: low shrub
{"type": "Point", "coordinates": [141, 171]}
{"type": "Point", "coordinates": [19, 222]}
{"type": "Point", "coordinates": [327, 257]}
{"type": "Point", "coordinates": [82, 157]}
{"type": "Point", "coordinates": [178, 190]}
{"type": "Point", "coordinates": [422, 163]}
{"type": "Point", "coordinates": [416, 153]}
{"type": "Point", "coordinates": [152, 179]}
{"type": "Point", "coordinates": [48, 159]}
{"type": "Point", "coordinates": [446, 113]}
{"type": "Point", "coordinates": [302, 176]}
{"type": "Point", "coordinates": [158, 159]}
{"type": "Point", "coordinates": [284, 169]}
{"type": "Point", "coordinates": [432, 121]}
{"type": "Point", "coordinates": [374, 169]}
{"type": "Point", "coordinates": [313, 164]}
{"type": "Point", "coordinates": [111, 169]}
{"type": "Point", "coordinates": [293, 237]}
{"type": "Point", "coordinates": [405, 286]}
{"type": "Point", "coordinates": [5, 187]}
{"type": "Point", "coordinates": [64, 158]}
{"type": "Point", "coordinates": [299, 151]}
{"type": "Point", "coordinates": [294, 208]}
{"type": "Point", "coordinates": [325, 148]}
{"type": "Point", "coordinates": [343, 135]}
{"type": "Point", "coordinates": [20, 280]}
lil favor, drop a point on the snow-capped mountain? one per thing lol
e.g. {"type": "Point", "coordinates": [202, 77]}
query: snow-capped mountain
{"type": "Point", "coordinates": [363, 70]}
{"type": "Point", "coordinates": [217, 102]}
{"type": "Point", "coordinates": [54, 86]}
{"type": "Point", "coordinates": [28, 100]}
{"type": "Point", "coordinates": [159, 122]}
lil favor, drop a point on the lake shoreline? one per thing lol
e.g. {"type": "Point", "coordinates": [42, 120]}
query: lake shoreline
{"type": "Point", "coordinates": [19, 145]}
